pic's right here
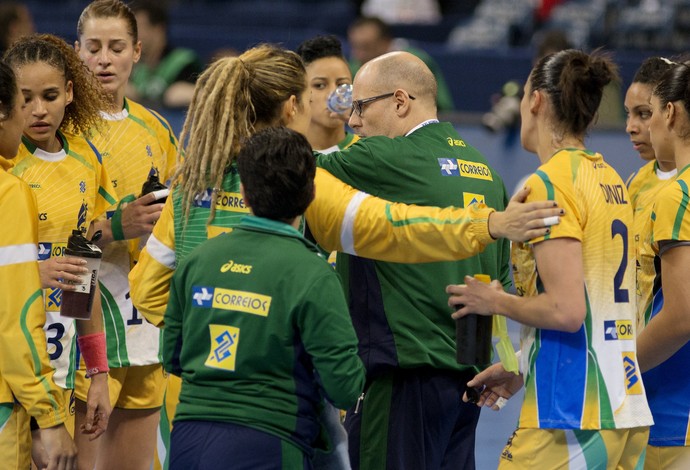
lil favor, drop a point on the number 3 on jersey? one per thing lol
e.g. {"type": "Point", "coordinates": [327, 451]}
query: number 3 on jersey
{"type": "Point", "coordinates": [620, 295]}
{"type": "Point", "coordinates": [54, 341]}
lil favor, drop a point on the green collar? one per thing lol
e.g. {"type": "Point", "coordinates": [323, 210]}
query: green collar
{"type": "Point", "coordinates": [32, 147]}
{"type": "Point", "coordinates": [269, 225]}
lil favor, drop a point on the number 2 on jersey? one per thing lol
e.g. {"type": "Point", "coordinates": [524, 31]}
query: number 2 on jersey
{"type": "Point", "coordinates": [620, 295]}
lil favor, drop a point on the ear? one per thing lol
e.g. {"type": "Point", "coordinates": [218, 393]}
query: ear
{"type": "Point", "coordinates": [69, 92]}
{"type": "Point", "coordinates": [670, 115]}
{"type": "Point", "coordinates": [137, 52]}
{"type": "Point", "coordinates": [77, 46]}
{"type": "Point", "coordinates": [402, 102]}
{"type": "Point", "coordinates": [289, 109]}
{"type": "Point", "coordinates": [535, 101]}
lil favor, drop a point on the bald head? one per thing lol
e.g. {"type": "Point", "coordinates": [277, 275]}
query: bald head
{"type": "Point", "coordinates": [401, 69]}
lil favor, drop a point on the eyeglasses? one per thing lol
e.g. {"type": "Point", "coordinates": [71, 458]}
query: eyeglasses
{"type": "Point", "coordinates": [358, 105]}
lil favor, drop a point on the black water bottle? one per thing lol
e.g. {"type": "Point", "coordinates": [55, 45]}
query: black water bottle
{"type": "Point", "coordinates": [153, 184]}
{"type": "Point", "coordinates": [473, 336]}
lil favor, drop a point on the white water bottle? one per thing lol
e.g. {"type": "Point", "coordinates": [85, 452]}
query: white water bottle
{"type": "Point", "coordinates": [340, 100]}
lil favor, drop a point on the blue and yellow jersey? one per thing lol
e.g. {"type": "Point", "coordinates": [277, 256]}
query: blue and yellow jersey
{"type": "Point", "coordinates": [25, 373]}
{"type": "Point", "coordinates": [134, 142]}
{"type": "Point", "coordinates": [644, 187]}
{"type": "Point", "coordinates": [668, 387]}
{"type": "Point", "coordinates": [589, 379]}
{"type": "Point", "coordinates": [72, 189]}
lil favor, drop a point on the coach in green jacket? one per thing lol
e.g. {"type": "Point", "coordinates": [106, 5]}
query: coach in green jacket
{"type": "Point", "coordinates": [411, 416]}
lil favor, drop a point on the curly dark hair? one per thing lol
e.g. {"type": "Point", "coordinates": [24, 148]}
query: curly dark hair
{"type": "Point", "coordinates": [319, 47]}
{"type": "Point", "coordinates": [82, 115]}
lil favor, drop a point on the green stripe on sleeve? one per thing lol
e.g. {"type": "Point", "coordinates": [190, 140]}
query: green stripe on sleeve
{"type": "Point", "coordinates": [424, 220]}
{"type": "Point", "coordinates": [550, 193]}
{"type": "Point", "coordinates": [105, 195]}
{"type": "Point", "coordinates": [35, 297]}
{"type": "Point", "coordinates": [682, 209]}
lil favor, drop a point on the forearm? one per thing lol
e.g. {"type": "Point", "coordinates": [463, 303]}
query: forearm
{"type": "Point", "coordinates": [669, 329]}
{"type": "Point", "coordinates": [150, 278]}
{"type": "Point", "coordinates": [542, 311]}
{"type": "Point", "coordinates": [95, 323]}
{"type": "Point", "coordinates": [659, 340]}
{"type": "Point", "coordinates": [149, 283]}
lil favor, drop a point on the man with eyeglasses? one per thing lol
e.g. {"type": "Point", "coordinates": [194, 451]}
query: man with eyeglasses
{"type": "Point", "coordinates": [411, 415]}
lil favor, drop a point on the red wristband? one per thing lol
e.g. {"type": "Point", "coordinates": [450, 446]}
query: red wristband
{"type": "Point", "coordinates": [92, 348]}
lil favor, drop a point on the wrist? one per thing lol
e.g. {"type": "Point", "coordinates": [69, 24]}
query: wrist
{"type": "Point", "coordinates": [93, 350]}
{"type": "Point", "coordinates": [493, 223]}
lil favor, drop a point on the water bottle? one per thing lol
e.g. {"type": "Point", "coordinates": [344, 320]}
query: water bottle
{"type": "Point", "coordinates": [473, 336]}
{"type": "Point", "coordinates": [340, 100]}
{"type": "Point", "coordinates": [161, 193]}
{"type": "Point", "coordinates": [78, 303]}
{"type": "Point", "coordinates": [153, 185]}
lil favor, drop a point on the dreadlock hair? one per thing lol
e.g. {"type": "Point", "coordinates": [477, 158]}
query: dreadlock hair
{"type": "Point", "coordinates": [82, 115]}
{"type": "Point", "coordinates": [233, 98]}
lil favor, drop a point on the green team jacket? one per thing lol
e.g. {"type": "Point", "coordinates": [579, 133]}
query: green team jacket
{"type": "Point", "coordinates": [258, 329]}
{"type": "Point", "coordinates": [400, 311]}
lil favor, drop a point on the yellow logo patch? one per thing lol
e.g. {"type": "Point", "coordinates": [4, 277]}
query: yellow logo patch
{"type": "Point", "coordinates": [236, 268]}
{"type": "Point", "coordinates": [456, 142]}
{"type": "Point", "coordinates": [633, 384]}
{"type": "Point", "coordinates": [241, 301]}
{"type": "Point", "coordinates": [231, 202]}
{"type": "Point", "coordinates": [223, 352]}
{"type": "Point", "coordinates": [474, 170]}
{"type": "Point", "coordinates": [471, 198]}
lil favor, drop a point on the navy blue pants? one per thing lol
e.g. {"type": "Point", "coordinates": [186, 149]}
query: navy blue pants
{"type": "Point", "coordinates": [412, 419]}
{"type": "Point", "coordinates": [207, 445]}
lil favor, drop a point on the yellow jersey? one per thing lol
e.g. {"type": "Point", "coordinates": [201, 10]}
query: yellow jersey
{"type": "Point", "coordinates": [25, 374]}
{"type": "Point", "coordinates": [72, 189]}
{"type": "Point", "coordinates": [644, 187]}
{"type": "Point", "coordinates": [134, 142]}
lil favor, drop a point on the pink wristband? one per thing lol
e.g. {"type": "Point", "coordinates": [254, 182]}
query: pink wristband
{"type": "Point", "coordinates": [92, 348]}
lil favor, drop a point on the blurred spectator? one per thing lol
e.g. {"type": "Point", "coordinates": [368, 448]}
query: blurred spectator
{"type": "Point", "coordinates": [403, 11]}
{"type": "Point", "coordinates": [15, 22]}
{"type": "Point", "coordinates": [543, 9]}
{"type": "Point", "coordinates": [165, 75]}
{"type": "Point", "coordinates": [548, 42]}
{"type": "Point", "coordinates": [370, 37]}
